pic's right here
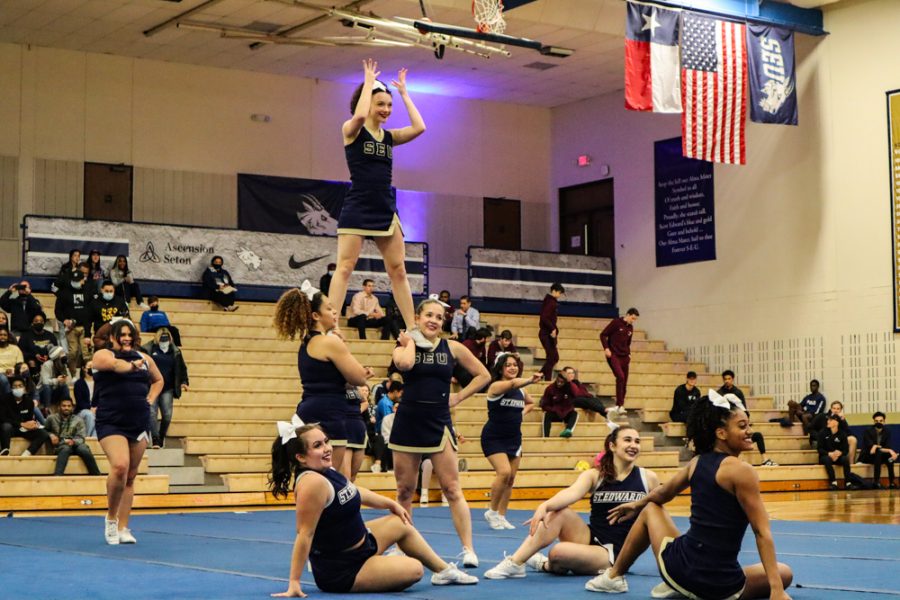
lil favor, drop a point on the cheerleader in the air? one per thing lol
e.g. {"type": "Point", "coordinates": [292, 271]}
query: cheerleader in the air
{"type": "Point", "coordinates": [370, 207]}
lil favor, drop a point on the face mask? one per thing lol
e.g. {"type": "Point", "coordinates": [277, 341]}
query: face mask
{"type": "Point", "coordinates": [217, 267]}
{"type": "Point", "coordinates": [18, 392]}
{"type": "Point", "coordinates": [154, 307]}
{"type": "Point", "coordinates": [164, 346]}
{"type": "Point", "coordinates": [38, 327]}
{"type": "Point", "coordinates": [879, 425]}
{"type": "Point", "coordinates": [107, 296]}
{"type": "Point", "coordinates": [76, 285]}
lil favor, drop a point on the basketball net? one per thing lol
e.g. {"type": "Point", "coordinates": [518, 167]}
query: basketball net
{"type": "Point", "coordinates": [489, 15]}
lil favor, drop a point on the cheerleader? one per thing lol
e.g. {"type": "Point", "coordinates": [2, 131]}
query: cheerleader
{"type": "Point", "coordinates": [422, 426]}
{"type": "Point", "coordinates": [357, 412]}
{"type": "Point", "coordinates": [725, 498]}
{"type": "Point", "coordinates": [501, 437]}
{"type": "Point", "coordinates": [370, 207]}
{"type": "Point", "coordinates": [126, 383]}
{"type": "Point", "coordinates": [343, 551]}
{"type": "Point", "coordinates": [584, 548]}
{"type": "Point", "coordinates": [324, 361]}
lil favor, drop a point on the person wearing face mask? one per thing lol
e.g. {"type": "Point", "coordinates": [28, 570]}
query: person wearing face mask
{"type": "Point", "coordinates": [325, 280]}
{"type": "Point", "coordinates": [171, 365]}
{"type": "Point", "coordinates": [67, 431]}
{"type": "Point", "coordinates": [21, 306]}
{"type": "Point", "coordinates": [10, 354]}
{"type": "Point", "coordinates": [37, 341]}
{"type": "Point", "coordinates": [17, 419]}
{"type": "Point", "coordinates": [73, 311]}
{"type": "Point", "coordinates": [877, 451]}
{"type": "Point", "coordinates": [53, 385]}
{"type": "Point", "coordinates": [153, 319]}
{"type": "Point", "coordinates": [107, 306]}
{"type": "Point", "coordinates": [219, 285]}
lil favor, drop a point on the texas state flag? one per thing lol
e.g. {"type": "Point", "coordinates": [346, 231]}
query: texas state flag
{"type": "Point", "coordinates": [652, 62]}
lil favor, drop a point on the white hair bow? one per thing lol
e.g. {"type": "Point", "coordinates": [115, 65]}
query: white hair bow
{"type": "Point", "coordinates": [307, 288]}
{"type": "Point", "coordinates": [726, 401]}
{"type": "Point", "coordinates": [437, 298]}
{"type": "Point", "coordinates": [502, 357]}
{"type": "Point", "coordinates": [378, 86]}
{"type": "Point", "coordinates": [612, 425]}
{"type": "Point", "coordinates": [288, 431]}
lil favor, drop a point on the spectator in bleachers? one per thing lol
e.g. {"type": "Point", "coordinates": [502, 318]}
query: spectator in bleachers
{"type": "Point", "coordinates": [477, 345]}
{"type": "Point", "coordinates": [877, 450]}
{"type": "Point", "coordinates": [325, 280]}
{"type": "Point", "coordinates": [170, 362]}
{"type": "Point", "coordinates": [126, 286]}
{"type": "Point", "coordinates": [548, 333]}
{"type": "Point", "coordinates": [834, 450]}
{"type": "Point", "coordinates": [54, 381]}
{"type": "Point", "coordinates": [820, 424]}
{"type": "Point", "coordinates": [21, 306]}
{"type": "Point", "coordinates": [806, 410]}
{"type": "Point", "coordinates": [219, 285]}
{"type": "Point", "coordinates": [73, 312]}
{"type": "Point", "coordinates": [66, 270]}
{"type": "Point", "coordinates": [17, 419]}
{"type": "Point", "coordinates": [685, 395]}
{"type": "Point", "coordinates": [4, 323]}
{"type": "Point", "coordinates": [385, 407]}
{"type": "Point", "coordinates": [37, 341]}
{"type": "Point", "coordinates": [503, 343]}
{"type": "Point", "coordinates": [31, 379]}
{"type": "Point", "coordinates": [108, 306]}
{"type": "Point", "coordinates": [444, 298]}
{"type": "Point", "coordinates": [91, 287]}
{"type": "Point", "coordinates": [582, 397]}
{"type": "Point", "coordinates": [616, 341]}
{"type": "Point", "coordinates": [365, 311]}
{"type": "Point", "coordinates": [96, 272]}
{"type": "Point", "coordinates": [728, 387]}
{"type": "Point", "coordinates": [10, 354]}
{"type": "Point", "coordinates": [559, 406]}
{"type": "Point", "coordinates": [466, 320]}
{"type": "Point", "coordinates": [84, 391]}
{"type": "Point", "coordinates": [67, 432]}
{"type": "Point", "coordinates": [153, 319]}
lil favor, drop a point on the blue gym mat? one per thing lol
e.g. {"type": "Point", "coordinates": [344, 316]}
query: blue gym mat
{"type": "Point", "coordinates": [247, 555]}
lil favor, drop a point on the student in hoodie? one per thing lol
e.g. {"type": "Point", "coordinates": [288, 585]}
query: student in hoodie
{"type": "Point", "coordinates": [37, 341]}
{"type": "Point", "coordinates": [73, 311]}
{"type": "Point", "coordinates": [107, 306]}
{"type": "Point", "coordinates": [171, 365]}
{"type": "Point", "coordinates": [17, 419]}
{"type": "Point", "coordinates": [21, 306]}
{"type": "Point", "coordinates": [153, 319]}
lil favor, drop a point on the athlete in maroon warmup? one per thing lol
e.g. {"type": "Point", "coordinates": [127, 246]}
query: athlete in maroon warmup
{"type": "Point", "coordinates": [616, 340]}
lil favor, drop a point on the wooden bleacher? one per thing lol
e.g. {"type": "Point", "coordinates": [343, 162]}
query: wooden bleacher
{"type": "Point", "coordinates": [243, 379]}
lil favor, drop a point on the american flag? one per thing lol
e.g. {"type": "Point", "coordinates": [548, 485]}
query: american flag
{"type": "Point", "coordinates": [713, 80]}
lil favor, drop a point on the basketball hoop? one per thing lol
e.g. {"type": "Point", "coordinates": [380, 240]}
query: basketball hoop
{"type": "Point", "coordinates": [489, 15]}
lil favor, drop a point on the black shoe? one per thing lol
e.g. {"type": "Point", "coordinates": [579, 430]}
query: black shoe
{"type": "Point", "coordinates": [850, 486]}
{"type": "Point", "coordinates": [892, 485]}
{"type": "Point", "coordinates": [876, 486]}
{"type": "Point", "coordinates": [834, 485]}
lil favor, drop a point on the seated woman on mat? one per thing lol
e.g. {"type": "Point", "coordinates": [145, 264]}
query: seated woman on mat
{"type": "Point", "coordinates": [584, 549]}
{"type": "Point", "coordinates": [345, 552]}
{"type": "Point", "coordinates": [724, 498]}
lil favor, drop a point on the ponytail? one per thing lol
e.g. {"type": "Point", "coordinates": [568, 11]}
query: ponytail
{"type": "Point", "coordinates": [293, 314]}
{"type": "Point", "coordinates": [703, 420]}
{"type": "Point", "coordinates": [285, 466]}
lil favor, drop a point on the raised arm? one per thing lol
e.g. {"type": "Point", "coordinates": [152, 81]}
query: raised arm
{"type": "Point", "coordinates": [417, 124]}
{"type": "Point", "coordinates": [404, 355]}
{"type": "Point", "coordinates": [354, 124]}
{"type": "Point", "coordinates": [498, 388]}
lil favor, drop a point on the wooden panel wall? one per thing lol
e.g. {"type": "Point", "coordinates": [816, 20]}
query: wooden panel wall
{"type": "Point", "coordinates": [58, 188]}
{"type": "Point", "coordinates": [9, 204]}
{"type": "Point", "coordinates": [185, 198]}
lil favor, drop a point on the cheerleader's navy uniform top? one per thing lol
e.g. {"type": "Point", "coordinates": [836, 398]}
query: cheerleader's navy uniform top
{"type": "Point", "coordinates": [607, 496]}
{"type": "Point", "coordinates": [422, 421]}
{"type": "Point", "coordinates": [353, 420]}
{"type": "Point", "coordinates": [703, 562]}
{"type": "Point", "coordinates": [324, 394]}
{"type": "Point", "coordinates": [121, 400]}
{"type": "Point", "coordinates": [502, 433]}
{"type": "Point", "coordinates": [370, 207]}
{"type": "Point", "coordinates": [334, 560]}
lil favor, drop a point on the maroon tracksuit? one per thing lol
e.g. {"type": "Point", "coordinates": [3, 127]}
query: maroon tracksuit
{"type": "Point", "coordinates": [616, 337]}
{"type": "Point", "coordinates": [548, 326]}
